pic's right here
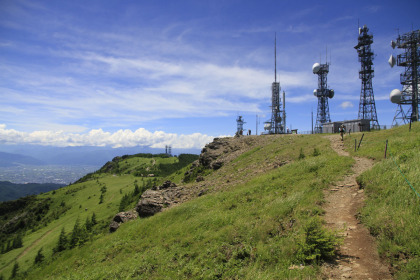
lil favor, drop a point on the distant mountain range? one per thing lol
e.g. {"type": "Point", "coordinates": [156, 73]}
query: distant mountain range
{"type": "Point", "coordinates": [10, 191]}
{"type": "Point", "coordinates": [9, 159]}
{"type": "Point", "coordinates": [13, 155]}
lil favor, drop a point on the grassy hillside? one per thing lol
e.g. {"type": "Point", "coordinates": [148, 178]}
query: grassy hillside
{"type": "Point", "coordinates": [392, 210]}
{"type": "Point", "coordinates": [262, 213]}
{"type": "Point", "coordinates": [261, 216]}
{"type": "Point", "coordinates": [38, 220]}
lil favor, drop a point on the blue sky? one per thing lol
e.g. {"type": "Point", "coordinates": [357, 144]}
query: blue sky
{"type": "Point", "coordinates": [126, 73]}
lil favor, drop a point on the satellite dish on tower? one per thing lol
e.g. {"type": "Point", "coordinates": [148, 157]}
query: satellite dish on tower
{"type": "Point", "coordinates": [395, 96]}
{"type": "Point", "coordinates": [331, 93]}
{"type": "Point", "coordinates": [392, 61]}
{"type": "Point", "coordinates": [315, 92]}
{"type": "Point", "coordinates": [316, 67]}
{"type": "Point", "coordinates": [393, 44]}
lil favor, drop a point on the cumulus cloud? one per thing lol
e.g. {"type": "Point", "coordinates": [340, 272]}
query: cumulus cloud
{"type": "Point", "coordinates": [98, 137]}
{"type": "Point", "coordinates": [346, 104]}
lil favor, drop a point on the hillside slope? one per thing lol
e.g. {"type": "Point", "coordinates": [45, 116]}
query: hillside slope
{"type": "Point", "coordinates": [31, 223]}
{"type": "Point", "coordinates": [260, 214]}
{"type": "Point", "coordinates": [255, 210]}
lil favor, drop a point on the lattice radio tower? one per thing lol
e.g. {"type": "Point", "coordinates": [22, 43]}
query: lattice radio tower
{"type": "Point", "coordinates": [367, 107]}
{"type": "Point", "coordinates": [410, 60]}
{"type": "Point", "coordinates": [277, 123]}
{"type": "Point", "coordinates": [240, 125]}
{"type": "Point", "coordinates": [322, 93]}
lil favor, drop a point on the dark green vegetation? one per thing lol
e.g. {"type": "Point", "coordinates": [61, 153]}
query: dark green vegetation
{"type": "Point", "coordinates": [10, 191]}
{"type": "Point", "coordinates": [392, 211]}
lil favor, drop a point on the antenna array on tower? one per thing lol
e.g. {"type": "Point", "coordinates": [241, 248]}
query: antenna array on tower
{"type": "Point", "coordinates": [367, 107]}
{"type": "Point", "coordinates": [408, 98]}
{"type": "Point", "coordinates": [322, 93]}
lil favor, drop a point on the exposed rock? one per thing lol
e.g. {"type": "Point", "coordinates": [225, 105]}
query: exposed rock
{"type": "Point", "coordinates": [212, 151]}
{"type": "Point", "coordinates": [155, 200]}
{"type": "Point", "coordinates": [199, 179]}
{"type": "Point", "coordinates": [167, 184]}
{"type": "Point", "coordinates": [120, 218]}
{"type": "Point", "coordinates": [123, 217]}
{"type": "Point", "coordinates": [216, 165]}
{"type": "Point", "coordinates": [113, 226]}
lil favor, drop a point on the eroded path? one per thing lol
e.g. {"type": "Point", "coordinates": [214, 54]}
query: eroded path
{"type": "Point", "coordinates": [358, 257]}
{"type": "Point", "coordinates": [27, 249]}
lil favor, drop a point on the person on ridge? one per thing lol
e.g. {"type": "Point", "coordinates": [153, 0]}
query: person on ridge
{"type": "Point", "coordinates": [342, 130]}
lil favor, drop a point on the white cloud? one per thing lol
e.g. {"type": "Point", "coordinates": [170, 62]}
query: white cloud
{"type": "Point", "coordinates": [346, 104]}
{"type": "Point", "coordinates": [98, 137]}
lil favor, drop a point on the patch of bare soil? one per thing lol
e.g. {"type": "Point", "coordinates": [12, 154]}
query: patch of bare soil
{"type": "Point", "coordinates": [358, 257]}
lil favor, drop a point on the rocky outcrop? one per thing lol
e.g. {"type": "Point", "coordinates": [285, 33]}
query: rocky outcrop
{"type": "Point", "coordinates": [210, 158]}
{"type": "Point", "coordinates": [120, 218]}
{"type": "Point", "coordinates": [156, 199]}
{"type": "Point", "coordinates": [210, 153]}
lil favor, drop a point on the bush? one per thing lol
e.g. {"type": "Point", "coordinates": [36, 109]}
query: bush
{"type": "Point", "coordinates": [301, 154]}
{"type": "Point", "coordinates": [318, 244]}
{"type": "Point", "coordinates": [39, 258]}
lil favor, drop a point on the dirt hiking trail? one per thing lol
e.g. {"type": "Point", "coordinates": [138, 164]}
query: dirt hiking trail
{"type": "Point", "coordinates": [358, 257]}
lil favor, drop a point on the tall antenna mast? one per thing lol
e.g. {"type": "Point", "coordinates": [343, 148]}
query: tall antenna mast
{"type": "Point", "coordinates": [277, 123]}
{"type": "Point", "coordinates": [275, 57]}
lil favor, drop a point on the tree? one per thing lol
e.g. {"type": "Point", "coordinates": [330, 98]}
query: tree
{"type": "Point", "coordinates": [101, 199]}
{"type": "Point", "coordinates": [125, 201]}
{"type": "Point", "coordinates": [75, 235]}
{"type": "Point", "coordinates": [62, 242]}
{"type": "Point", "coordinates": [136, 189]}
{"type": "Point", "coordinates": [15, 270]}
{"type": "Point", "coordinates": [78, 235]}
{"type": "Point", "coordinates": [93, 219]}
{"type": "Point", "coordinates": [88, 224]}
{"type": "Point", "coordinates": [17, 242]}
{"type": "Point", "coordinates": [39, 258]}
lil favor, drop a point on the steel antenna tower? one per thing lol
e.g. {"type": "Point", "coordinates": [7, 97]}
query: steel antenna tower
{"type": "Point", "coordinates": [276, 125]}
{"type": "Point", "coordinates": [322, 93]}
{"type": "Point", "coordinates": [410, 60]}
{"type": "Point", "coordinates": [240, 125]}
{"type": "Point", "coordinates": [367, 107]}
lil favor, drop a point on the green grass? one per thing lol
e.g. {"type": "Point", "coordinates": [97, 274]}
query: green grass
{"type": "Point", "coordinates": [262, 214]}
{"type": "Point", "coordinates": [392, 210]}
{"type": "Point", "coordinates": [82, 199]}
{"type": "Point", "coordinates": [252, 230]}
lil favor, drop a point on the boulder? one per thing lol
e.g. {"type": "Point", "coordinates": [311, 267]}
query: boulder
{"type": "Point", "coordinates": [120, 218]}
{"type": "Point", "coordinates": [149, 204]}
{"type": "Point", "coordinates": [156, 199]}
{"type": "Point", "coordinates": [113, 226]}
{"type": "Point", "coordinates": [123, 217]}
